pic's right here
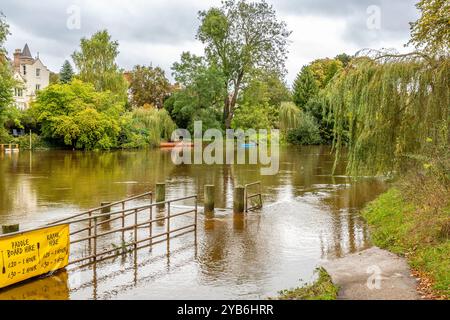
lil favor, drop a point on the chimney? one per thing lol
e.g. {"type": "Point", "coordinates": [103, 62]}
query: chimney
{"type": "Point", "coordinates": [16, 63]}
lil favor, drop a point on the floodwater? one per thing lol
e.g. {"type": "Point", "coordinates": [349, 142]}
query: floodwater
{"type": "Point", "coordinates": [308, 216]}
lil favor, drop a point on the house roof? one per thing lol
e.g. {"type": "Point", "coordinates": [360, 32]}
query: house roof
{"type": "Point", "coordinates": [26, 52]}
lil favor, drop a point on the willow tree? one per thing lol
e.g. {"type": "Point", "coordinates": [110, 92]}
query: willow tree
{"type": "Point", "coordinates": [393, 107]}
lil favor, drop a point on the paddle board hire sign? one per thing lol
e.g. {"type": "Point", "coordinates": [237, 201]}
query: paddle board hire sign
{"type": "Point", "coordinates": [32, 253]}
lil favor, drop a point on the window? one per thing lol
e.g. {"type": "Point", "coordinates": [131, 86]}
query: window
{"type": "Point", "coordinates": [38, 87]}
{"type": "Point", "coordinates": [38, 72]}
{"type": "Point", "coordinates": [18, 92]}
{"type": "Point", "coordinates": [24, 70]}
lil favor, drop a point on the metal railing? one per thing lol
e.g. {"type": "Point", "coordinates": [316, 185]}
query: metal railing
{"type": "Point", "coordinates": [250, 197]}
{"type": "Point", "coordinates": [87, 227]}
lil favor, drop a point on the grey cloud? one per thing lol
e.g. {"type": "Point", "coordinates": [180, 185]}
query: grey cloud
{"type": "Point", "coordinates": [395, 17]}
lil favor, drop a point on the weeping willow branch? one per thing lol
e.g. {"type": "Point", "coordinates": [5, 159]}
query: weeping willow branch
{"type": "Point", "coordinates": [386, 110]}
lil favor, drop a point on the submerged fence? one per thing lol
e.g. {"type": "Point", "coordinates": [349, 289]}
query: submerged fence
{"type": "Point", "coordinates": [99, 234]}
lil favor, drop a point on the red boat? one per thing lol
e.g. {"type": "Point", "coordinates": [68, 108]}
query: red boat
{"type": "Point", "coordinates": [178, 144]}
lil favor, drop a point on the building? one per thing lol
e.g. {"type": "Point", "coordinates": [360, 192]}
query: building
{"type": "Point", "coordinates": [31, 74]}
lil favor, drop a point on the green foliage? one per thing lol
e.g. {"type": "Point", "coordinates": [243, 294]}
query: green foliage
{"type": "Point", "coordinates": [241, 36]}
{"type": "Point", "coordinates": [390, 107]}
{"type": "Point", "coordinates": [322, 289]}
{"type": "Point", "coordinates": [66, 74]}
{"type": "Point", "coordinates": [305, 87]}
{"type": "Point", "coordinates": [289, 116]}
{"type": "Point", "coordinates": [267, 91]}
{"type": "Point", "coordinates": [431, 32]}
{"type": "Point", "coordinates": [4, 32]}
{"type": "Point", "coordinates": [7, 81]}
{"type": "Point", "coordinates": [149, 85]}
{"type": "Point", "coordinates": [251, 116]}
{"type": "Point", "coordinates": [344, 59]}
{"type": "Point", "coordinates": [144, 127]}
{"type": "Point", "coordinates": [76, 115]}
{"type": "Point", "coordinates": [324, 70]}
{"type": "Point", "coordinates": [37, 142]}
{"type": "Point", "coordinates": [306, 132]}
{"type": "Point", "coordinates": [201, 96]}
{"type": "Point", "coordinates": [96, 64]}
{"type": "Point", "coordinates": [318, 108]}
{"type": "Point", "coordinates": [53, 78]}
{"type": "Point", "coordinates": [265, 87]}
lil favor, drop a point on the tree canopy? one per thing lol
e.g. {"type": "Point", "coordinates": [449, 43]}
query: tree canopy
{"type": "Point", "coordinates": [149, 85]}
{"type": "Point", "coordinates": [76, 115]}
{"type": "Point", "coordinates": [66, 74]}
{"type": "Point", "coordinates": [305, 87]}
{"type": "Point", "coordinates": [431, 32]}
{"type": "Point", "coordinates": [7, 81]}
{"type": "Point", "coordinates": [241, 36]}
{"type": "Point", "coordinates": [393, 109]}
{"type": "Point", "coordinates": [201, 94]}
{"type": "Point", "coordinates": [96, 63]}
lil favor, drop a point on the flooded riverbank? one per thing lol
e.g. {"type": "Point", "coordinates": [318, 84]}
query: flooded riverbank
{"type": "Point", "coordinates": [308, 217]}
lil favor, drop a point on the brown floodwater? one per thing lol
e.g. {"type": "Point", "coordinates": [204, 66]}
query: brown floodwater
{"type": "Point", "coordinates": [308, 216]}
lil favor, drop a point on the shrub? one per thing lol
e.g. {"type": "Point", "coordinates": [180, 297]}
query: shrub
{"type": "Point", "coordinates": [307, 131]}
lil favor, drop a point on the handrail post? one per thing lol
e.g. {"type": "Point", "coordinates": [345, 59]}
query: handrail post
{"type": "Point", "coordinates": [195, 218]}
{"type": "Point", "coordinates": [168, 227]}
{"type": "Point", "coordinates": [150, 224]}
{"type": "Point", "coordinates": [135, 228]}
{"type": "Point", "coordinates": [90, 230]}
{"type": "Point", "coordinates": [95, 239]}
{"type": "Point", "coordinates": [123, 222]}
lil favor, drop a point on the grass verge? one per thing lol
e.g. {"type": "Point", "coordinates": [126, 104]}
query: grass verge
{"type": "Point", "coordinates": [322, 289]}
{"type": "Point", "coordinates": [417, 230]}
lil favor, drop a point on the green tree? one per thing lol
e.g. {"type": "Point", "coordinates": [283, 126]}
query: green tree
{"type": "Point", "coordinates": [66, 74]}
{"type": "Point", "coordinates": [431, 31]}
{"type": "Point", "coordinates": [96, 64]}
{"type": "Point", "coordinates": [289, 116]}
{"type": "Point", "coordinates": [54, 78]}
{"type": "Point", "coordinates": [251, 116]}
{"type": "Point", "coordinates": [75, 114]}
{"type": "Point", "coordinates": [143, 127]}
{"type": "Point", "coordinates": [149, 85]}
{"type": "Point", "coordinates": [305, 87]}
{"type": "Point", "coordinates": [201, 94]}
{"type": "Point", "coordinates": [324, 70]}
{"type": "Point", "coordinates": [344, 58]}
{"type": "Point", "coordinates": [306, 132]}
{"type": "Point", "coordinates": [7, 81]}
{"type": "Point", "coordinates": [242, 36]}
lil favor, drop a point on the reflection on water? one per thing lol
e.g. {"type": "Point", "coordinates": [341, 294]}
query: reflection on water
{"type": "Point", "coordinates": [308, 216]}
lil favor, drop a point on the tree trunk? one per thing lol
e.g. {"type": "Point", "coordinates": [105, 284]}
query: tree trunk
{"type": "Point", "coordinates": [231, 103]}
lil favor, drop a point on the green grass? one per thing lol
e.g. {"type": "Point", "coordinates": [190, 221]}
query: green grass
{"type": "Point", "coordinates": [414, 231]}
{"type": "Point", "coordinates": [322, 289]}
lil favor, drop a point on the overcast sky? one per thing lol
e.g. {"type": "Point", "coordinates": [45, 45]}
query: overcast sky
{"type": "Point", "coordinates": [158, 31]}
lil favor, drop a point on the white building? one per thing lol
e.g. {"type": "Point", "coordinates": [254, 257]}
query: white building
{"type": "Point", "coordinates": [32, 75]}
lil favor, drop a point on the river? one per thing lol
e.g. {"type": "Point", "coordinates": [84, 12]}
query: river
{"type": "Point", "coordinates": [308, 216]}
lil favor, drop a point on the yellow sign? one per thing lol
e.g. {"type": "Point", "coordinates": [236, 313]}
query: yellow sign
{"type": "Point", "coordinates": [33, 253]}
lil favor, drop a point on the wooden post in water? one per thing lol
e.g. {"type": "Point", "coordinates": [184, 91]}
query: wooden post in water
{"type": "Point", "coordinates": [160, 194]}
{"type": "Point", "coordinates": [209, 200]}
{"type": "Point", "coordinates": [105, 210]}
{"type": "Point", "coordinates": [239, 199]}
{"type": "Point", "coordinates": [10, 228]}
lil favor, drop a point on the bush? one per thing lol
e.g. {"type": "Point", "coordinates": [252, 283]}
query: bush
{"type": "Point", "coordinates": [37, 142]}
{"type": "Point", "coordinates": [250, 116]}
{"type": "Point", "coordinates": [145, 127]}
{"type": "Point", "coordinates": [306, 133]}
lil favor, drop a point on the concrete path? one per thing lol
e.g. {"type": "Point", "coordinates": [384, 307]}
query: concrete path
{"type": "Point", "coordinates": [373, 274]}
